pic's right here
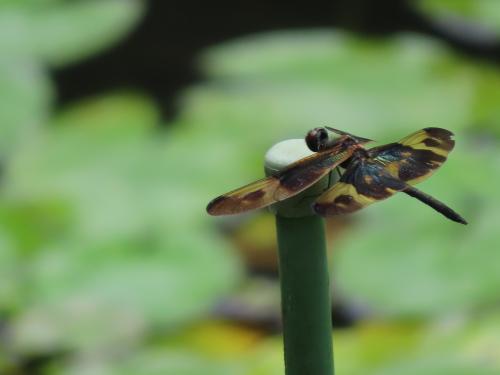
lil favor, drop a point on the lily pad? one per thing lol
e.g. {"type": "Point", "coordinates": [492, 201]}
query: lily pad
{"type": "Point", "coordinates": [272, 86]}
{"type": "Point", "coordinates": [483, 13]}
{"type": "Point", "coordinates": [26, 96]}
{"type": "Point", "coordinates": [121, 251]}
{"type": "Point", "coordinates": [58, 33]}
{"type": "Point", "coordinates": [374, 348]}
{"type": "Point", "coordinates": [89, 296]}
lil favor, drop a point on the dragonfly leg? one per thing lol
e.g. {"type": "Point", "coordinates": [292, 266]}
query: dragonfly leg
{"type": "Point", "coordinates": [338, 172]}
{"type": "Point", "coordinates": [329, 180]}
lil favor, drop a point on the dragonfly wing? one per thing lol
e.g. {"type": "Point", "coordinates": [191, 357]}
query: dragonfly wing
{"type": "Point", "coordinates": [417, 156]}
{"type": "Point", "coordinates": [360, 185]}
{"type": "Point", "coordinates": [299, 176]}
{"type": "Point", "coordinates": [294, 179]}
{"type": "Point", "coordinates": [249, 197]}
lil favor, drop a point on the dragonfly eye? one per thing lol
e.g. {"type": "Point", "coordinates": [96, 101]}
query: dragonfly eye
{"type": "Point", "coordinates": [316, 139]}
{"type": "Point", "coordinates": [323, 134]}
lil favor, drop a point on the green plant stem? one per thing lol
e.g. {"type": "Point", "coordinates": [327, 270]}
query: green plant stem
{"type": "Point", "coordinates": [305, 296]}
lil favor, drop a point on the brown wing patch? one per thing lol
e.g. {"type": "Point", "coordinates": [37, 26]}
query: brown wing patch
{"type": "Point", "coordinates": [294, 179]}
{"type": "Point", "coordinates": [437, 140]}
{"type": "Point", "coordinates": [341, 198]}
{"type": "Point", "coordinates": [307, 171]}
{"type": "Point", "coordinates": [360, 185]}
{"type": "Point", "coordinates": [252, 196]}
{"type": "Point", "coordinates": [417, 156]}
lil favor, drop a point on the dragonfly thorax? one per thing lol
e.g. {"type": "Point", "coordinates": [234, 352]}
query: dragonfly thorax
{"type": "Point", "coordinates": [359, 155]}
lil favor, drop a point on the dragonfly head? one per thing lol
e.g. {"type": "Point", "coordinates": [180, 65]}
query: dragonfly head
{"type": "Point", "coordinates": [319, 139]}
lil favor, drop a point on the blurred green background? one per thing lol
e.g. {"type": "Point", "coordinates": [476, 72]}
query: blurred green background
{"type": "Point", "coordinates": [108, 262]}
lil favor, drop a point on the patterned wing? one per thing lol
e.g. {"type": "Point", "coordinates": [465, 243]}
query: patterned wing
{"type": "Point", "coordinates": [361, 185]}
{"type": "Point", "coordinates": [255, 195]}
{"type": "Point", "coordinates": [296, 178]}
{"type": "Point", "coordinates": [416, 157]}
{"type": "Point", "coordinates": [302, 174]}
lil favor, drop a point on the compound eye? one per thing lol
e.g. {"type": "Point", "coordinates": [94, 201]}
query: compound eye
{"type": "Point", "coordinates": [315, 139]}
{"type": "Point", "coordinates": [323, 134]}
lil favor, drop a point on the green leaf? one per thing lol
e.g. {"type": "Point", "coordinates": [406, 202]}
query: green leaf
{"type": "Point", "coordinates": [59, 33]}
{"type": "Point", "coordinates": [25, 101]}
{"type": "Point", "coordinates": [439, 366]}
{"type": "Point", "coordinates": [120, 113]}
{"type": "Point", "coordinates": [29, 3]}
{"type": "Point", "coordinates": [278, 85]}
{"type": "Point", "coordinates": [132, 249]}
{"type": "Point", "coordinates": [373, 348]}
{"type": "Point", "coordinates": [95, 296]}
{"type": "Point", "coordinates": [100, 160]}
{"type": "Point", "coordinates": [484, 13]}
{"type": "Point", "coordinates": [486, 110]}
{"type": "Point", "coordinates": [149, 362]}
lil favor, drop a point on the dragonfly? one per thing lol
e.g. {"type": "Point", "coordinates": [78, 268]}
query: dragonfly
{"type": "Point", "coordinates": [370, 175]}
